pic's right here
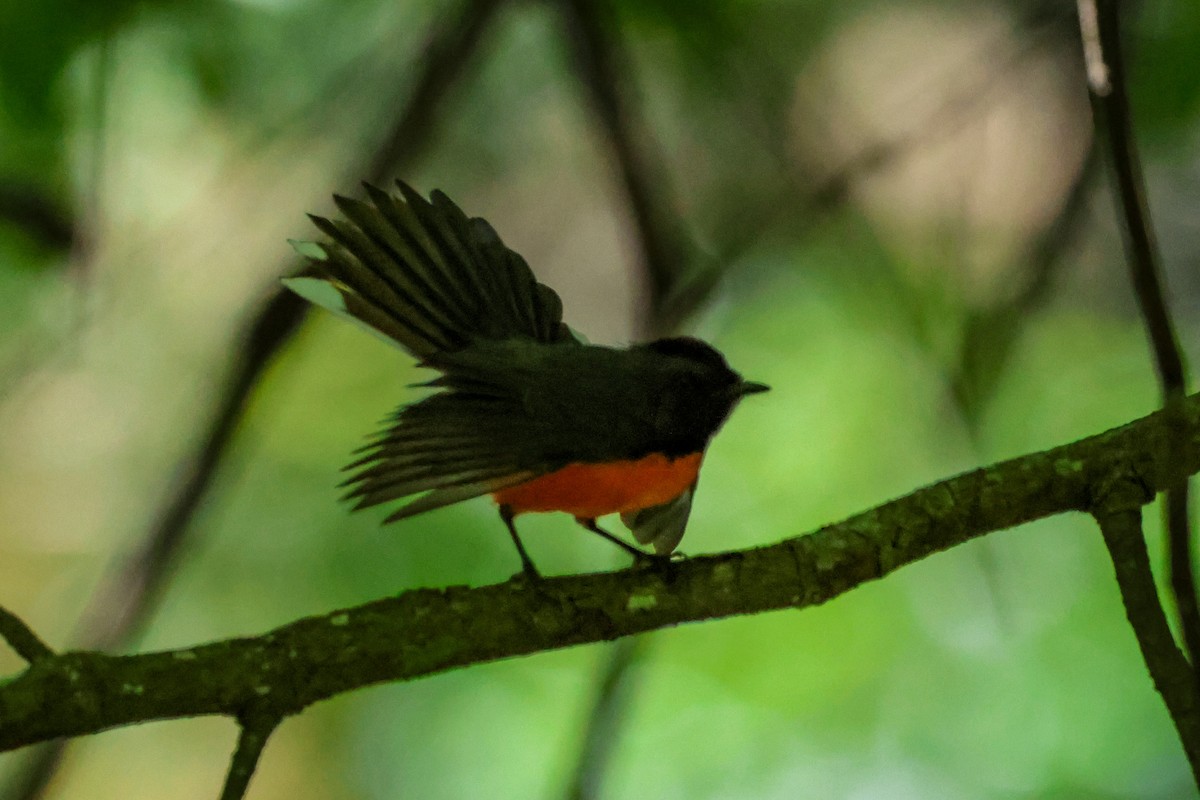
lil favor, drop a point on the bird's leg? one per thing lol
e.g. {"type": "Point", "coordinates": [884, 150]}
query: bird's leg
{"type": "Point", "coordinates": [639, 555]}
{"type": "Point", "coordinates": [531, 572]}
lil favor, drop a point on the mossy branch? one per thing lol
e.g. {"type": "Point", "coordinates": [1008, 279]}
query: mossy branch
{"type": "Point", "coordinates": [426, 631]}
{"type": "Point", "coordinates": [1121, 523]}
{"type": "Point", "coordinates": [252, 738]}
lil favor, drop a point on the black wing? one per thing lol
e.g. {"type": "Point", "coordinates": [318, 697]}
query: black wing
{"type": "Point", "coordinates": [425, 275]}
{"type": "Point", "coordinates": [446, 448]}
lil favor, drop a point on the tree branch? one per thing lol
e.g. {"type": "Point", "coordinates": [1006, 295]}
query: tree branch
{"type": "Point", "coordinates": [1170, 671]}
{"type": "Point", "coordinates": [446, 55]}
{"type": "Point", "coordinates": [21, 638]}
{"type": "Point", "coordinates": [613, 692]}
{"type": "Point", "coordinates": [252, 738]}
{"type": "Point", "coordinates": [124, 600]}
{"type": "Point", "coordinates": [602, 67]}
{"type": "Point", "coordinates": [1100, 24]}
{"type": "Point", "coordinates": [427, 631]}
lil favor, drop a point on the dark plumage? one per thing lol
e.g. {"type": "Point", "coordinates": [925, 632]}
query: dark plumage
{"type": "Point", "coordinates": [518, 397]}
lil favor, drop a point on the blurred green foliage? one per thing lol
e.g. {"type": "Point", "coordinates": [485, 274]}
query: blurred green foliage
{"type": "Point", "coordinates": [1170, 32]}
{"type": "Point", "coordinates": [1003, 669]}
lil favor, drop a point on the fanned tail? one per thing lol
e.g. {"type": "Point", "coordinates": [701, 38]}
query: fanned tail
{"type": "Point", "coordinates": [425, 276]}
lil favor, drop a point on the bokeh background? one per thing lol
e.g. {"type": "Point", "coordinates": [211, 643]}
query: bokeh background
{"type": "Point", "coordinates": [886, 210]}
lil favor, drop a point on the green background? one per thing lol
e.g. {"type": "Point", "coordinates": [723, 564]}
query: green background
{"type": "Point", "coordinates": [185, 140]}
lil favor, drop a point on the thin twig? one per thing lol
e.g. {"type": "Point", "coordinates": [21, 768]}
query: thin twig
{"type": "Point", "coordinates": [252, 738]}
{"type": "Point", "coordinates": [122, 604]}
{"type": "Point", "coordinates": [1111, 107]}
{"type": "Point", "coordinates": [603, 70]}
{"type": "Point", "coordinates": [130, 591]}
{"type": "Point", "coordinates": [1170, 671]}
{"type": "Point", "coordinates": [1142, 249]}
{"type": "Point", "coordinates": [802, 207]}
{"type": "Point", "coordinates": [609, 710]}
{"type": "Point", "coordinates": [74, 231]}
{"type": "Point", "coordinates": [34, 778]}
{"type": "Point", "coordinates": [37, 214]}
{"type": "Point", "coordinates": [447, 53]}
{"type": "Point", "coordinates": [21, 638]}
{"type": "Point", "coordinates": [990, 334]}
{"type": "Point", "coordinates": [1093, 53]}
{"type": "Point", "coordinates": [124, 601]}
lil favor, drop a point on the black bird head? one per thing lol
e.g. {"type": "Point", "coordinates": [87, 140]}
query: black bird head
{"type": "Point", "coordinates": [702, 392]}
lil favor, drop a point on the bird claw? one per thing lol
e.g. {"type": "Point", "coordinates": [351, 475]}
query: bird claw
{"type": "Point", "coordinates": [529, 573]}
{"type": "Point", "coordinates": [652, 560]}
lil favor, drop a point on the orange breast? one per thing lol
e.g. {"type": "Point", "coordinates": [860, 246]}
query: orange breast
{"type": "Point", "coordinates": [593, 490]}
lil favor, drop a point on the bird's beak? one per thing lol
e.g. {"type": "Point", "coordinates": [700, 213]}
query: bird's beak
{"type": "Point", "coordinates": [750, 387]}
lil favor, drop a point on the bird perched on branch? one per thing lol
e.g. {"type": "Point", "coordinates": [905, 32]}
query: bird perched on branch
{"type": "Point", "coordinates": [522, 409]}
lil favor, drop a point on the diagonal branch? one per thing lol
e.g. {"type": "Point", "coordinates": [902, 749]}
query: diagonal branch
{"type": "Point", "coordinates": [1100, 25]}
{"type": "Point", "coordinates": [1111, 102]}
{"type": "Point", "coordinates": [131, 591]}
{"type": "Point", "coordinates": [128, 594]}
{"type": "Point", "coordinates": [991, 334]}
{"type": "Point", "coordinates": [609, 710]}
{"type": "Point", "coordinates": [603, 71]}
{"type": "Point", "coordinates": [449, 51]}
{"type": "Point", "coordinates": [1121, 524]}
{"type": "Point", "coordinates": [21, 638]}
{"type": "Point", "coordinates": [427, 631]}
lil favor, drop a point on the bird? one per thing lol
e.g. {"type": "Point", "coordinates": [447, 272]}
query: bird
{"type": "Point", "coordinates": [522, 409]}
